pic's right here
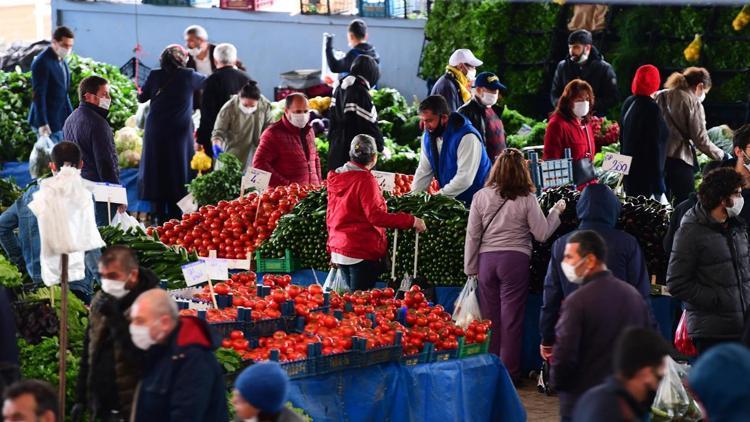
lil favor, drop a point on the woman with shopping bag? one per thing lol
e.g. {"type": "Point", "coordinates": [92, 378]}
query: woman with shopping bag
{"type": "Point", "coordinates": [503, 217]}
{"type": "Point", "coordinates": [357, 217]}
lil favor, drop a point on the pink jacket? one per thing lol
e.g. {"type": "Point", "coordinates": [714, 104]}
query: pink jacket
{"type": "Point", "coordinates": [510, 230]}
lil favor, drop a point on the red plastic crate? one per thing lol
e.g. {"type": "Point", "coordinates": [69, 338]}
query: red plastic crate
{"type": "Point", "coordinates": [250, 5]}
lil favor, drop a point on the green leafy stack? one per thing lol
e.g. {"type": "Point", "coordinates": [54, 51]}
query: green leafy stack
{"type": "Point", "coordinates": [222, 184]}
{"type": "Point", "coordinates": [16, 137]}
{"type": "Point", "coordinates": [10, 277]}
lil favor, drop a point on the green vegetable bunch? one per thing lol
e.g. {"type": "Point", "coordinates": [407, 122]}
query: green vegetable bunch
{"type": "Point", "coordinates": [40, 361]}
{"type": "Point", "coordinates": [9, 193]}
{"type": "Point", "coordinates": [77, 313]}
{"type": "Point", "coordinates": [16, 137]}
{"type": "Point", "coordinates": [397, 158]}
{"type": "Point", "coordinates": [10, 277]}
{"type": "Point", "coordinates": [221, 184]}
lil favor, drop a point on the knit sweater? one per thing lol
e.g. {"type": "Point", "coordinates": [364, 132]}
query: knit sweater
{"type": "Point", "coordinates": [89, 129]}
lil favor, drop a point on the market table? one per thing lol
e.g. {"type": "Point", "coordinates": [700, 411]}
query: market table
{"type": "Point", "coordinates": [471, 389]}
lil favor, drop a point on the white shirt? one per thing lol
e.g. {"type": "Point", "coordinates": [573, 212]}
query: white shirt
{"type": "Point", "coordinates": [203, 66]}
{"type": "Point", "coordinates": [469, 157]}
{"type": "Point", "coordinates": [339, 259]}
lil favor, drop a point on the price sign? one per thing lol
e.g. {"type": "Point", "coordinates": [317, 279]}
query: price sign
{"type": "Point", "coordinates": [255, 178]}
{"type": "Point", "coordinates": [617, 163]}
{"type": "Point", "coordinates": [386, 181]}
{"type": "Point", "coordinates": [195, 273]}
{"type": "Point", "coordinates": [217, 269]}
{"type": "Point", "coordinates": [109, 192]}
{"type": "Point", "coordinates": [187, 204]}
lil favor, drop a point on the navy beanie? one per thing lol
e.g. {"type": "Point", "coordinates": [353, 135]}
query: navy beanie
{"type": "Point", "coordinates": [264, 385]}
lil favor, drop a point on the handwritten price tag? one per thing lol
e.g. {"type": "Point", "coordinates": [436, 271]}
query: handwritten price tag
{"type": "Point", "coordinates": [218, 269]}
{"type": "Point", "coordinates": [617, 163]}
{"type": "Point", "coordinates": [386, 181]}
{"type": "Point", "coordinates": [108, 192]}
{"type": "Point", "coordinates": [255, 178]}
{"type": "Point", "coordinates": [187, 204]}
{"type": "Point", "coordinates": [195, 273]}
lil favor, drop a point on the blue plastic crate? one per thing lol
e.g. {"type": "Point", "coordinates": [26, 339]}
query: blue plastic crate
{"type": "Point", "coordinates": [337, 362]}
{"type": "Point", "coordinates": [266, 327]}
{"type": "Point", "coordinates": [381, 355]}
{"type": "Point", "coordinates": [225, 328]}
{"type": "Point", "coordinates": [295, 369]}
{"type": "Point", "coordinates": [382, 9]}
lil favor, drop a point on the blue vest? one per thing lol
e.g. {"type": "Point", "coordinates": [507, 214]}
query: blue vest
{"type": "Point", "coordinates": [448, 166]}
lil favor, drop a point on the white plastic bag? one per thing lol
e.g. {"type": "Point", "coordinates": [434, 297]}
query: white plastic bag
{"type": "Point", "coordinates": [40, 156]}
{"type": "Point", "coordinates": [335, 281]}
{"type": "Point", "coordinates": [125, 221]}
{"type": "Point", "coordinates": [672, 400]}
{"type": "Point", "coordinates": [467, 305]}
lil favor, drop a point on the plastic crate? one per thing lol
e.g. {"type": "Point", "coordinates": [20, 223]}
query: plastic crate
{"type": "Point", "coordinates": [225, 328]}
{"type": "Point", "coordinates": [443, 355]}
{"type": "Point", "coordinates": [337, 362]}
{"type": "Point", "coordinates": [249, 5]}
{"type": "Point", "coordinates": [288, 264]}
{"type": "Point", "coordinates": [178, 2]}
{"type": "Point", "coordinates": [467, 350]}
{"type": "Point", "coordinates": [266, 327]}
{"type": "Point", "coordinates": [294, 369]}
{"type": "Point", "coordinates": [382, 9]}
{"type": "Point", "coordinates": [421, 357]}
{"type": "Point", "coordinates": [327, 7]}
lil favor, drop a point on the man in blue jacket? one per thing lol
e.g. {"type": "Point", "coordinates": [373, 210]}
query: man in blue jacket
{"type": "Point", "coordinates": [50, 81]}
{"type": "Point", "coordinates": [452, 152]}
{"type": "Point", "coordinates": [598, 209]}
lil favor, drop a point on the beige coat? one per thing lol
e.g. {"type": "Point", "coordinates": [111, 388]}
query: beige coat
{"type": "Point", "coordinates": [241, 132]}
{"type": "Point", "coordinates": [686, 120]}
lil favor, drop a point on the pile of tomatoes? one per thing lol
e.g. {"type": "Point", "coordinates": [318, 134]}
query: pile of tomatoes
{"type": "Point", "coordinates": [235, 228]}
{"type": "Point", "coordinates": [404, 181]}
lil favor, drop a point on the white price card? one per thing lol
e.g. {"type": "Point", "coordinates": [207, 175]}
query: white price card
{"type": "Point", "coordinates": [255, 178]}
{"type": "Point", "coordinates": [386, 181]}
{"type": "Point", "coordinates": [218, 269]}
{"type": "Point", "coordinates": [110, 192]}
{"type": "Point", "coordinates": [195, 273]}
{"type": "Point", "coordinates": [617, 163]}
{"type": "Point", "coordinates": [187, 204]}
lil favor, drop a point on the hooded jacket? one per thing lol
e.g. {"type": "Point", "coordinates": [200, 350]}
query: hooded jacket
{"type": "Point", "coordinates": [352, 111]}
{"type": "Point", "coordinates": [709, 270]}
{"type": "Point", "coordinates": [182, 380]}
{"type": "Point", "coordinates": [598, 209]}
{"type": "Point", "coordinates": [719, 380]}
{"type": "Point", "coordinates": [344, 65]}
{"type": "Point", "coordinates": [644, 137]}
{"type": "Point", "coordinates": [597, 72]}
{"type": "Point", "coordinates": [357, 214]}
{"type": "Point", "coordinates": [289, 153]}
{"type": "Point", "coordinates": [610, 401]}
{"type": "Point", "coordinates": [110, 363]}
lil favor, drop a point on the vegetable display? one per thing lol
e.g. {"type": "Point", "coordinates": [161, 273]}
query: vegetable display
{"type": "Point", "coordinates": [9, 193]}
{"type": "Point", "coordinates": [219, 185]}
{"type": "Point", "coordinates": [16, 136]}
{"type": "Point", "coordinates": [10, 277]}
{"type": "Point", "coordinates": [129, 144]}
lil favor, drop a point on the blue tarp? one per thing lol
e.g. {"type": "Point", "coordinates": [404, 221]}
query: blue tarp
{"type": "Point", "coordinates": [19, 171]}
{"type": "Point", "coordinates": [473, 389]}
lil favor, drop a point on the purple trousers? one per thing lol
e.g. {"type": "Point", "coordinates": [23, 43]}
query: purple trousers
{"type": "Point", "coordinates": [503, 290]}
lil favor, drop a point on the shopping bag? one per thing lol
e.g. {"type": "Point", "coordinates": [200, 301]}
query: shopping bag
{"type": "Point", "coordinates": [40, 156]}
{"type": "Point", "coordinates": [543, 384]}
{"type": "Point", "coordinates": [125, 221]}
{"type": "Point", "coordinates": [336, 281]}
{"type": "Point", "coordinates": [672, 400]}
{"type": "Point", "coordinates": [467, 304]}
{"type": "Point", "coordinates": [682, 342]}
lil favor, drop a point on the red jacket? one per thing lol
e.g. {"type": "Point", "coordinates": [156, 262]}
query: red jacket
{"type": "Point", "coordinates": [280, 152]}
{"type": "Point", "coordinates": [357, 215]}
{"type": "Point", "coordinates": [563, 133]}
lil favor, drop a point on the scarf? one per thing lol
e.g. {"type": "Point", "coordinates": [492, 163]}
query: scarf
{"type": "Point", "coordinates": [463, 82]}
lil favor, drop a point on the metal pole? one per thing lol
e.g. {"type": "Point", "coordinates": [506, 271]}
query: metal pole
{"type": "Point", "coordinates": [63, 335]}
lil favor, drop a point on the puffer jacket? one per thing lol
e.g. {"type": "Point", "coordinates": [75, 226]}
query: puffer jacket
{"type": "Point", "coordinates": [709, 270]}
{"type": "Point", "coordinates": [596, 71]}
{"type": "Point", "coordinates": [289, 153]}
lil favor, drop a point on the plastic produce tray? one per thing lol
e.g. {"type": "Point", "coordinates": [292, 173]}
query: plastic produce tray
{"type": "Point", "coordinates": [288, 264]}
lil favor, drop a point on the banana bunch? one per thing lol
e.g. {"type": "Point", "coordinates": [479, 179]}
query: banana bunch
{"type": "Point", "coordinates": [693, 51]}
{"type": "Point", "coordinates": [742, 19]}
{"type": "Point", "coordinates": [320, 104]}
{"type": "Point", "coordinates": [166, 262]}
{"type": "Point", "coordinates": [200, 162]}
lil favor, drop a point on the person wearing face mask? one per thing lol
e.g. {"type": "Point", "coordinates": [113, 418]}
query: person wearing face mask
{"type": "Point", "coordinates": [628, 394]}
{"type": "Point", "coordinates": [357, 34]}
{"type": "Point", "coordinates": [681, 103]}
{"type": "Point", "coordinates": [455, 84]}
{"type": "Point", "coordinates": [110, 364]}
{"type": "Point", "coordinates": [585, 62]}
{"type": "Point", "coordinates": [201, 51]}
{"type": "Point", "coordinates": [260, 394]}
{"type": "Point", "coordinates": [485, 114]}
{"type": "Point", "coordinates": [240, 123]}
{"type": "Point", "coordinates": [50, 81]}
{"type": "Point", "coordinates": [569, 127]}
{"type": "Point", "coordinates": [226, 81]}
{"type": "Point", "coordinates": [88, 128]}
{"type": "Point", "coordinates": [181, 380]}
{"type": "Point", "coordinates": [168, 144]}
{"type": "Point", "coordinates": [357, 216]}
{"type": "Point", "coordinates": [352, 111]}
{"type": "Point", "coordinates": [591, 320]}
{"type": "Point", "coordinates": [287, 148]}
{"type": "Point", "coordinates": [709, 268]}
{"type": "Point", "coordinates": [718, 380]}
{"type": "Point", "coordinates": [452, 152]}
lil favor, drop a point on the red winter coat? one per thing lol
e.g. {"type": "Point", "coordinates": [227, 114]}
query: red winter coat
{"type": "Point", "coordinates": [357, 215]}
{"type": "Point", "coordinates": [280, 152]}
{"type": "Point", "coordinates": [564, 133]}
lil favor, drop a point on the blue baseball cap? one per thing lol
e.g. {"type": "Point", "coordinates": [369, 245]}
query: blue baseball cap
{"type": "Point", "coordinates": [489, 80]}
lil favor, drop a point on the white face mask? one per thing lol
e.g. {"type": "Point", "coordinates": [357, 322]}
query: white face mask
{"type": "Point", "coordinates": [471, 74]}
{"type": "Point", "coordinates": [735, 209]}
{"type": "Point", "coordinates": [489, 99]}
{"type": "Point", "coordinates": [581, 108]}
{"type": "Point", "coordinates": [141, 336]}
{"type": "Point", "coordinates": [194, 51]}
{"type": "Point", "coordinates": [247, 110]}
{"type": "Point", "coordinates": [584, 57]}
{"type": "Point", "coordinates": [62, 52]}
{"type": "Point", "coordinates": [299, 119]}
{"type": "Point", "coordinates": [702, 97]}
{"type": "Point", "coordinates": [115, 288]}
{"type": "Point", "coordinates": [570, 272]}
{"type": "Point", "coordinates": [105, 103]}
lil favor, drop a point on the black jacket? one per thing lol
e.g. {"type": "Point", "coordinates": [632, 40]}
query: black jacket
{"type": "Point", "coordinates": [89, 129]}
{"type": "Point", "coordinates": [352, 112]}
{"type": "Point", "coordinates": [110, 363]}
{"type": "Point", "coordinates": [447, 87]}
{"type": "Point", "coordinates": [191, 64]}
{"type": "Point", "coordinates": [644, 137]}
{"type": "Point", "coordinates": [709, 270]}
{"type": "Point", "coordinates": [597, 72]}
{"type": "Point", "coordinates": [475, 113]}
{"type": "Point", "coordinates": [344, 65]}
{"type": "Point", "coordinates": [609, 401]}
{"type": "Point", "coordinates": [217, 90]}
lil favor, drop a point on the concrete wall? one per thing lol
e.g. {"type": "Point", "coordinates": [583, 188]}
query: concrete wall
{"type": "Point", "coordinates": [268, 43]}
